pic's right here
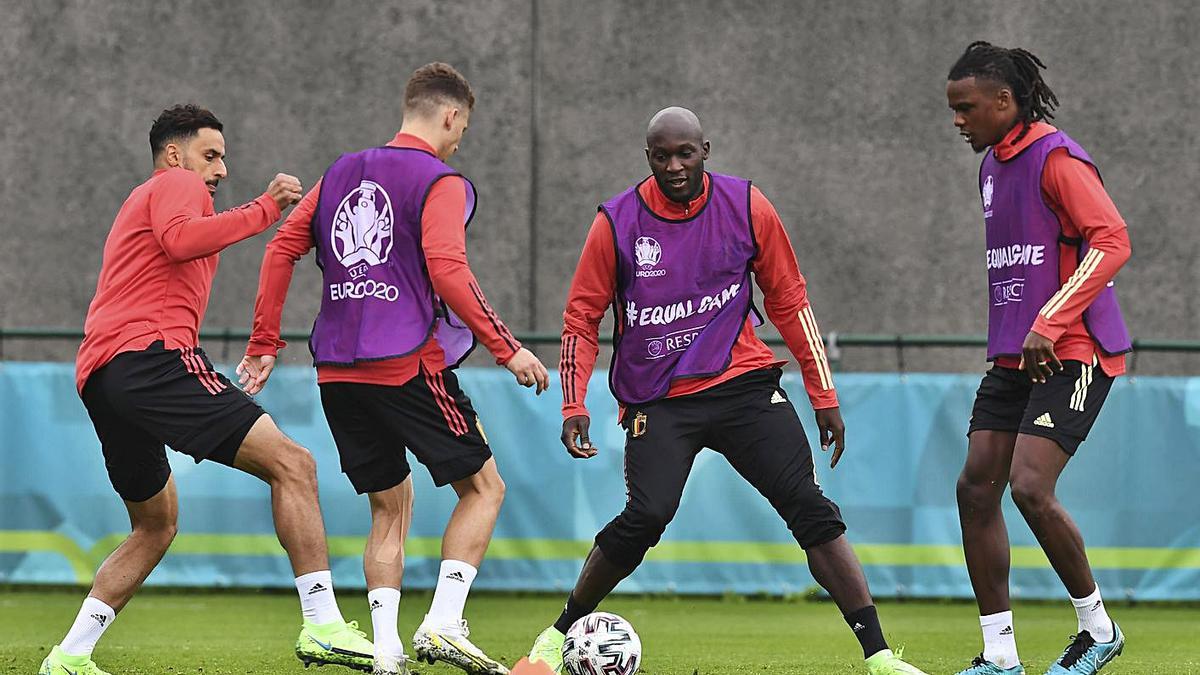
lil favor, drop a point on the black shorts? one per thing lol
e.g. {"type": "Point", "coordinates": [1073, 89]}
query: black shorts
{"type": "Point", "coordinates": [372, 425]}
{"type": "Point", "coordinates": [1062, 409]}
{"type": "Point", "coordinates": [750, 421]}
{"type": "Point", "coordinates": [140, 401]}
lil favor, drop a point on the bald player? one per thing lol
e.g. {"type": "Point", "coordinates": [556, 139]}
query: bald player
{"type": "Point", "coordinates": [673, 255]}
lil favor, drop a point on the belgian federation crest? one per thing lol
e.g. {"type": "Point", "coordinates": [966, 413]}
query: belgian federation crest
{"type": "Point", "coordinates": [362, 227]}
{"type": "Point", "coordinates": [647, 252]}
{"type": "Point", "coordinates": [986, 192]}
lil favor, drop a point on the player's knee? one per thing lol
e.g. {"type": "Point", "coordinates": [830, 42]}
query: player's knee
{"type": "Point", "coordinates": [294, 464]}
{"type": "Point", "coordinates": [157, 533]}
{"type": "Point", "coordinates": [974, 495]}
{"type": "Point", "coordinates": [493, 488]}
{"type": "Point", "coordinates": [650, 523]}
{"type": "Point", "coordinates": [384, 507]}
{"type": "Point", "coordinates": [1030, 494]}
{"type": "Point", "coordinates": [623, 545]}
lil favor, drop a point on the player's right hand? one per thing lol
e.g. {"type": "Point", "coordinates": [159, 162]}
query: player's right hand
{"type": "Point", "coordinates": [577, 428]}
{"type": "Point", "coordinates": [253, 372]}
{"type": "Point", "coordinates": [528, 370]}
{"type": "Point", "coordinates": [285, 190]}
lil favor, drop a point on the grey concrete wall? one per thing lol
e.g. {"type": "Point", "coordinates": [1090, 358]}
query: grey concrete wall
{"type": "Point", "coordinates": [836, 110]}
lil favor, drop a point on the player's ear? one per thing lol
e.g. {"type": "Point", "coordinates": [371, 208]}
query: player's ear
{"type": "Point", "coordinates": [449, 115]}
{"type": "Point", "coordinates": [704, 151]}
{"type": "Point", "coordinates": [173, 155]}
{"type": "Point", "coordinates": [1004, 98]}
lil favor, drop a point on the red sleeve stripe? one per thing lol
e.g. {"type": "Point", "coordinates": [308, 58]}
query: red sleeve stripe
{"type": "Point", "coordinates": [1086, 268]}
{"type": "Point", "coordinates": [196, 367]}
{"type": "Point", "coordinates": [450, 411]}
{"type": "Point", "coordinates": [816, 346]}
{"type": "Point", "coordinates": [497, 325]}
{"type": "Point", "coordinates": [459, 420]}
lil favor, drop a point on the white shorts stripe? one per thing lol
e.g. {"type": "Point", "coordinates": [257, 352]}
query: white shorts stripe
{"type": "Point", "coordinates": [1081, 387]}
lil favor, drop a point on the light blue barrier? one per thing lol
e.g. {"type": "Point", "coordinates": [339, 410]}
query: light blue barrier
{"type": "Point", "coordinates": [1132, 490]}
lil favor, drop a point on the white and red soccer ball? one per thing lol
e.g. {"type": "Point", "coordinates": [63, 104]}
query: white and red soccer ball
{"type": "Point", "coordinates": [602, 644]}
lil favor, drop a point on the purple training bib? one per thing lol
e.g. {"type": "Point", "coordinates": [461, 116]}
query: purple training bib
{"type": "Point", "coordinates": [377, 301]}
{"type": "Point", "coordinates": [683, 288]}
{"type": "Point", "coordinates": [1023, 239]}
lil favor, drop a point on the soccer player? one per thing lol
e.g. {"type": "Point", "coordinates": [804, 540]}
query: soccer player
{"type": "Point", "coordinates": [146, 383]}
{"type": "Point", "coordinates": [400, 309]}
{"type": "Point", "coordinates": [673, 256]}
{"type": "Point", "coordinates": [1056, 340]}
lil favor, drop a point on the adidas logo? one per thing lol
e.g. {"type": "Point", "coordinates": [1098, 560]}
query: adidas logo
{"type": "Point", "coordinates": [1007, 630]}
{"type": "Point", "coordinates": [375, 604]}
{"type": "Point", "coordinates": [317, 588]}
{"type": "Point", "coordinates": [100, 619]}
{"type": "Point", "coordinates": [857, 626]}
{"type": "Point", "coordinates": [456, 576]}
{"type": "Point", "coordinates": [777, 397]}
{"type": "Point", "coordinates": [1044, 420]}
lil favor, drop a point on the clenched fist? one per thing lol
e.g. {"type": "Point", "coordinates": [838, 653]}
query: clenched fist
{"type": "Point", "coordinates": [285, 190]}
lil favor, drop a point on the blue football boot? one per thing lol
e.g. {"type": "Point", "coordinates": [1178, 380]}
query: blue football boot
{"type": "Point", "coordinates": [1085, 655]}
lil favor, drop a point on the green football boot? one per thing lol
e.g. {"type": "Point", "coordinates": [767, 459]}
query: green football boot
{"type": "Point", "coordinates": [887, 663]}
{"type": "Point", "coordinates": [433, 644]}
{"type": "Point", "coordinates": [547, 648]}
{"type": "Point", "coordinates": [337, 643]}
{"type": "Point", "coordinates": [58, 663]}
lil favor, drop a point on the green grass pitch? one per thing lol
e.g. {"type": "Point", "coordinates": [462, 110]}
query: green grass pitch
{"type": "Point", "coordinates": [227, 632]}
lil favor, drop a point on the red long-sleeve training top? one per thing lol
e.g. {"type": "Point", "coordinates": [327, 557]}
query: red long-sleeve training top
{"type": "Point", "coordinates": [444, 243]}
{"type": "Point", "coordinates": [1073, 190]}
{"type": "Point", "coordinates": [785, 300]}
{"type": "Point", "coordinates": [159, 262]}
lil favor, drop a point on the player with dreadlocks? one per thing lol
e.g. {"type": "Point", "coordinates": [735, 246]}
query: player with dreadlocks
{"type": "Point", "coordinates": [1056, 341]}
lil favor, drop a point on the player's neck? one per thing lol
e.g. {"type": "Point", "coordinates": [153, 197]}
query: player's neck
{"type": "Point", "coordinates": [424, 131]}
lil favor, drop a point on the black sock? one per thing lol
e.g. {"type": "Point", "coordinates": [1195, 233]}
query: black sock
{"type": "Point", "coordinates": [865, 624]}
{"type": "Point", "coordinates": [574, 612]}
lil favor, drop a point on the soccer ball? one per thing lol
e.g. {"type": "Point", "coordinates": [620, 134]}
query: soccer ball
{"type": "Point", "coordinates": [602, 644]}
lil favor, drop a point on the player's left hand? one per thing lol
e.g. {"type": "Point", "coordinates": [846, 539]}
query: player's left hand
{"type": "Point", "coordinates": [1038, 358]}
{"type": "Point", "coordinates": [831, 430]}
{"type": "Point", "coordinates": [253, 372]}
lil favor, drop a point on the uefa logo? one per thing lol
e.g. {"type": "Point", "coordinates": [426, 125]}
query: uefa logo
{"type": "Point", "coordinates": [647, 252]}
{"type": "Point", "coordinates": [361, 236]}
{"type": "Point", "coordinates": [655, 347]}
{"type": "Point", "coordinates": [988, 187]}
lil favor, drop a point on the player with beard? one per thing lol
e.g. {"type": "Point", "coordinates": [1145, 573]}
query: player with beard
{"type": "Point", "coordinates": [145, 382]}
{"type": "Point", "coordinates": [694, 376]}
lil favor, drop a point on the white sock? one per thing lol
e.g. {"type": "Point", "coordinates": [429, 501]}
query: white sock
{"type": "Point", "coordinates": [385, 609]}
{"type": "Point", "coordinates": [93, 619]}
{"type": "Point", "coordinates": [454, 582]}
{"type": "Point", "coordinates": [1092, 616]}
{"type": "Point", "coordinates": [999, 641]}
{"type": "Point", "coordinates": [317, 601]}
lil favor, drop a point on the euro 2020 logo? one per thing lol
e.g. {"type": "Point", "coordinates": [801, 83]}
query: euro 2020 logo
{"type": "Point", "coordinates": [646, 251]}
{"type": "Point", "coordinates": [362, 228]}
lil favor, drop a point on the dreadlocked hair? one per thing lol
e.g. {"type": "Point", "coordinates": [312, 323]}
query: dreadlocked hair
{"type": "Point", "coordinates": [1016, 68]}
